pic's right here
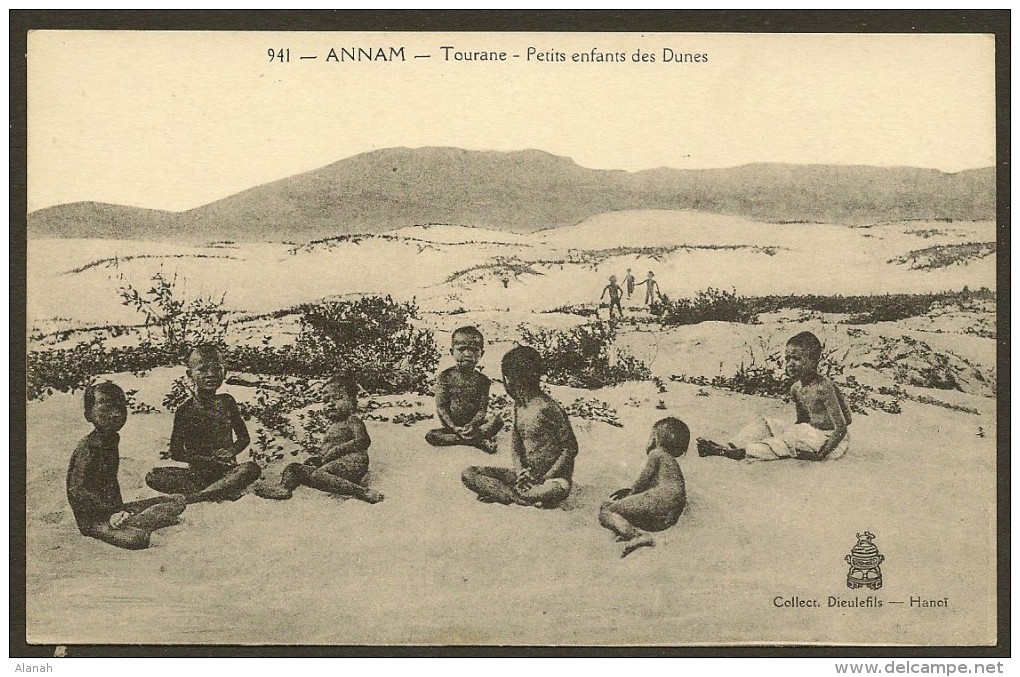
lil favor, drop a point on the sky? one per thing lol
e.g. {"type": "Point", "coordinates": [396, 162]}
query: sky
{"type": "Point", "coordinates": [175, 120]}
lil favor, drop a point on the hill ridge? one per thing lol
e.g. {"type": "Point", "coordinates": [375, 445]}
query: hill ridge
{"type": "Point", "coordinates": [528, 190]}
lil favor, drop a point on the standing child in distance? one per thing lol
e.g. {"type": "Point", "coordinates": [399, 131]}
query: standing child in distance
{"type": "Point", "coordinates": [651, 289]}
{"type": "Point", "coordinates": [462, 397]}
{"type": "Point", "coordinates": [629, 283]}
{"type": "Point", "coordinates": [820, 430]}
{"type": "Point", "coordinates": [658, 496]}
{"type": "Point", "coordinates": [615, 294]}
{"type": "Point", "coordinates": [342, 464]}
{"type": "Point", "coordinates": [92, 487]}
{"type": "Point", "coordinates": [208, 435]}
{"type": "Point", "coordinates": [544, 446]}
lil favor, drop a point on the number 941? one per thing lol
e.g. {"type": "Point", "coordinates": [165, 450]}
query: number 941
{"type": "Point", "coordinates": [281, 55]}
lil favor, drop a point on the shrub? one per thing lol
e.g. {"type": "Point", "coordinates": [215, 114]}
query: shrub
{"type": "Point", "coordinates": [373, 337]}
{"type": "Point", "coordinates": [584, 357]}
{"type": "Point", "coordinates": [720, 305]}
{"type": "Point", "coordinates": [708, 305]}
{"type": "Point", "coordinates": [66, 370]}
{"type": "Point", "coordinates": [178, 322]}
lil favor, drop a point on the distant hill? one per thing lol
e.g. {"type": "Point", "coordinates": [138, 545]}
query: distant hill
{"type": "Point", "coordinates": [526, 191]}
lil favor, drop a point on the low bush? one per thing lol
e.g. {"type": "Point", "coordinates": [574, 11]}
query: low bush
{"type": "Point", "coordinates": [724, 306]}
{"type": "Point", "coordinates": [584, 357]}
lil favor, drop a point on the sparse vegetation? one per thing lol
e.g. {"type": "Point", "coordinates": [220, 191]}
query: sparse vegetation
{"type": "Point", "coordinates": [329, 243]}
{"type": "Point", "coordinates": [115, 261]}
{"type": "Point", "coordinates": [501, 267]}
{"type": "Point", "coordinates": [728, 306]}
{"type": "Point", "coordinates": [584, 357]}
{"type": "Point", "coordinates": [594, 257]}
{"type": "Point", "coordinates": [945, 255]}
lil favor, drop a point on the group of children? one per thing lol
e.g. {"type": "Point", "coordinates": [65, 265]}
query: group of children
{"type": "Point", "coordinates": [615, 291]}
{"type": "Point", "coordinates": [209, 433]}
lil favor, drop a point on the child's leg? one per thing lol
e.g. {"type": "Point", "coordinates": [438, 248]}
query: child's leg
{"type": "Point", "coordinates": [230, 485]}
{"type": "Point", "coordinates": [351, 467]}
{"type": "Point", "coordinates": [490, 427]}
{"type": "Point", "coordinates": [630, 516]}
{"type": "Point", "coordinates": [170, 480]}
{"type": "Point", "coordinates": [157, 517]}
{"type": "Point", "coordinates": [328, 478]}
{"type": "Point", "coordinates": [129, 538]}
{"type": "Point", "coordinates": [710, 448]}
{"type": "Point", "coordinates": [653, 510]}
{"type": "Point", "coordinates": [492, 484]}
{"type": "Point", "coordinates": [443, 437]}
{"type": "Point", "coordinates": [548, 494]}
{"type": "Point", "coordinates": [155, 513]}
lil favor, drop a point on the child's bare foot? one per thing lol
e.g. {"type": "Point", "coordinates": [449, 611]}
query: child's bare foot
{"type": "Point", "coordinates": [372, 496]}
{"type": "Point", "coordinates": [275, 492]}
{"type": "Point", "coordinates": [487, 445]}
{"type": "Point", "coordinates": [710, 448]}
{"type": "Point", "coordinates": [640, 541]}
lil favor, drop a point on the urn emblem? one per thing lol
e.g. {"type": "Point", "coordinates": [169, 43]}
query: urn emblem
{"type": "Point", "coordinates": [864, 560]}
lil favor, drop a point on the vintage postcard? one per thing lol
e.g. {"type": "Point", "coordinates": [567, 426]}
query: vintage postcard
{"type": "Point", "coordinates": [495, 338]}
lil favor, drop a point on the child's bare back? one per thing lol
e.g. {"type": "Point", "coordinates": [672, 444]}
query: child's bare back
{"type": "Point", "coordinates": [544, 432]}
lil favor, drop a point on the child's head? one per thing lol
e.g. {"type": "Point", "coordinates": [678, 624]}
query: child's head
{"type": "Point", "coordinates": [612, 279]}
{"type": "Point", "coordinates": [628, 270]}
{"type": "Point", "coordinates": [803, 352]}
{"type": "Point", "coordinates": [672, 435]}
{"type": "Point", "coordinates": [105, 406]}
{"type": "Point", "coordinates": [522, 371]}
{"type": "Point", "coordinates": [651, 274]}
{"type": "Point", "coordinates": [468, 347]}
{"type": "Point", "coordinates": [341, 396]}
{"type": "Point", "coordinates": [205, 368]}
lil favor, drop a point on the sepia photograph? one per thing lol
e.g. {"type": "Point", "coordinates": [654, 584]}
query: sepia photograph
{"type": "Point", "coordinates": [496, 339]}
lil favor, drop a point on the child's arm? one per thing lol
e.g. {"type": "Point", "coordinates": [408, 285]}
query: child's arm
{"type": "Point", "coordinates": [517, 449]}
{"type": "Point", "coordinates": [360, 443]}
{"type": "Point", "coordinates": [483, 408]}
{"type": "Point", "coordinates": [835, 413]}
{"type": "Point", "coordinates": [178, 449]}
{"type": "Point", "coordinates": [443, 403]}
{"type": "Point", "coordinates": [568, 446]}
{"type": "Point", "coordinates": [802, 412]}
{"type": "Point", "coordinates": [604, 293]}
{"type": "Point", "coordinates": [241, 437]}
{"type": "Point", "coordinates": [648, 473]}
{"type": "Point", "coordinates": [79, 493]}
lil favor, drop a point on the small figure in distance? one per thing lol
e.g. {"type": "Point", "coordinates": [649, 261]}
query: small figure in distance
{"type": "Point", "coordinates": [544, 446]}
{"type": "Point", "coordinates": [651, 289]}
{"type": "Point", "coordinates": [820, 430]}
{"type": "Point", "coordinates": [342, 464]}
{"type": "Point", "coordinates": [462, 397]}
{"type": "Point", "coordinates": [658, 496]}
{"type": "Point", "coordinates": [615, 294]}
{"type": "Point", "coordinates": [92, 487]}
{"type": "Point", "coordinates": [208, 435]}
{"type": "Point", "coordinates": [628, 282]}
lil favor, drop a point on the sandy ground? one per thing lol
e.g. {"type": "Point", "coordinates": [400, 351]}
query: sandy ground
{"type": "Point", "coordinates": [431, 565]}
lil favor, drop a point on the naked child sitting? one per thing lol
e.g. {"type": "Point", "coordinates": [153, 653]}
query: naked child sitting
{"type": "Point", "coordinates": [92, 487]}
{"type": "Point", "coordinates": [544, 446]}
{"type": "Point", "coordinates": [657, 497]}
{"type": "Point", "coordinates": [462, 397]}
{"type": "Point", "coordinates": [208, 435]}
{"type": "Point", "coordinates": [341, 465]}
{"type": "Point", "coordinates": [820, 431]}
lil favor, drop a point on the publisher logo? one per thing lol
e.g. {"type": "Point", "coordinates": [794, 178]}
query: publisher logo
{"type": "Point", "coordinates": [864, 560]}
